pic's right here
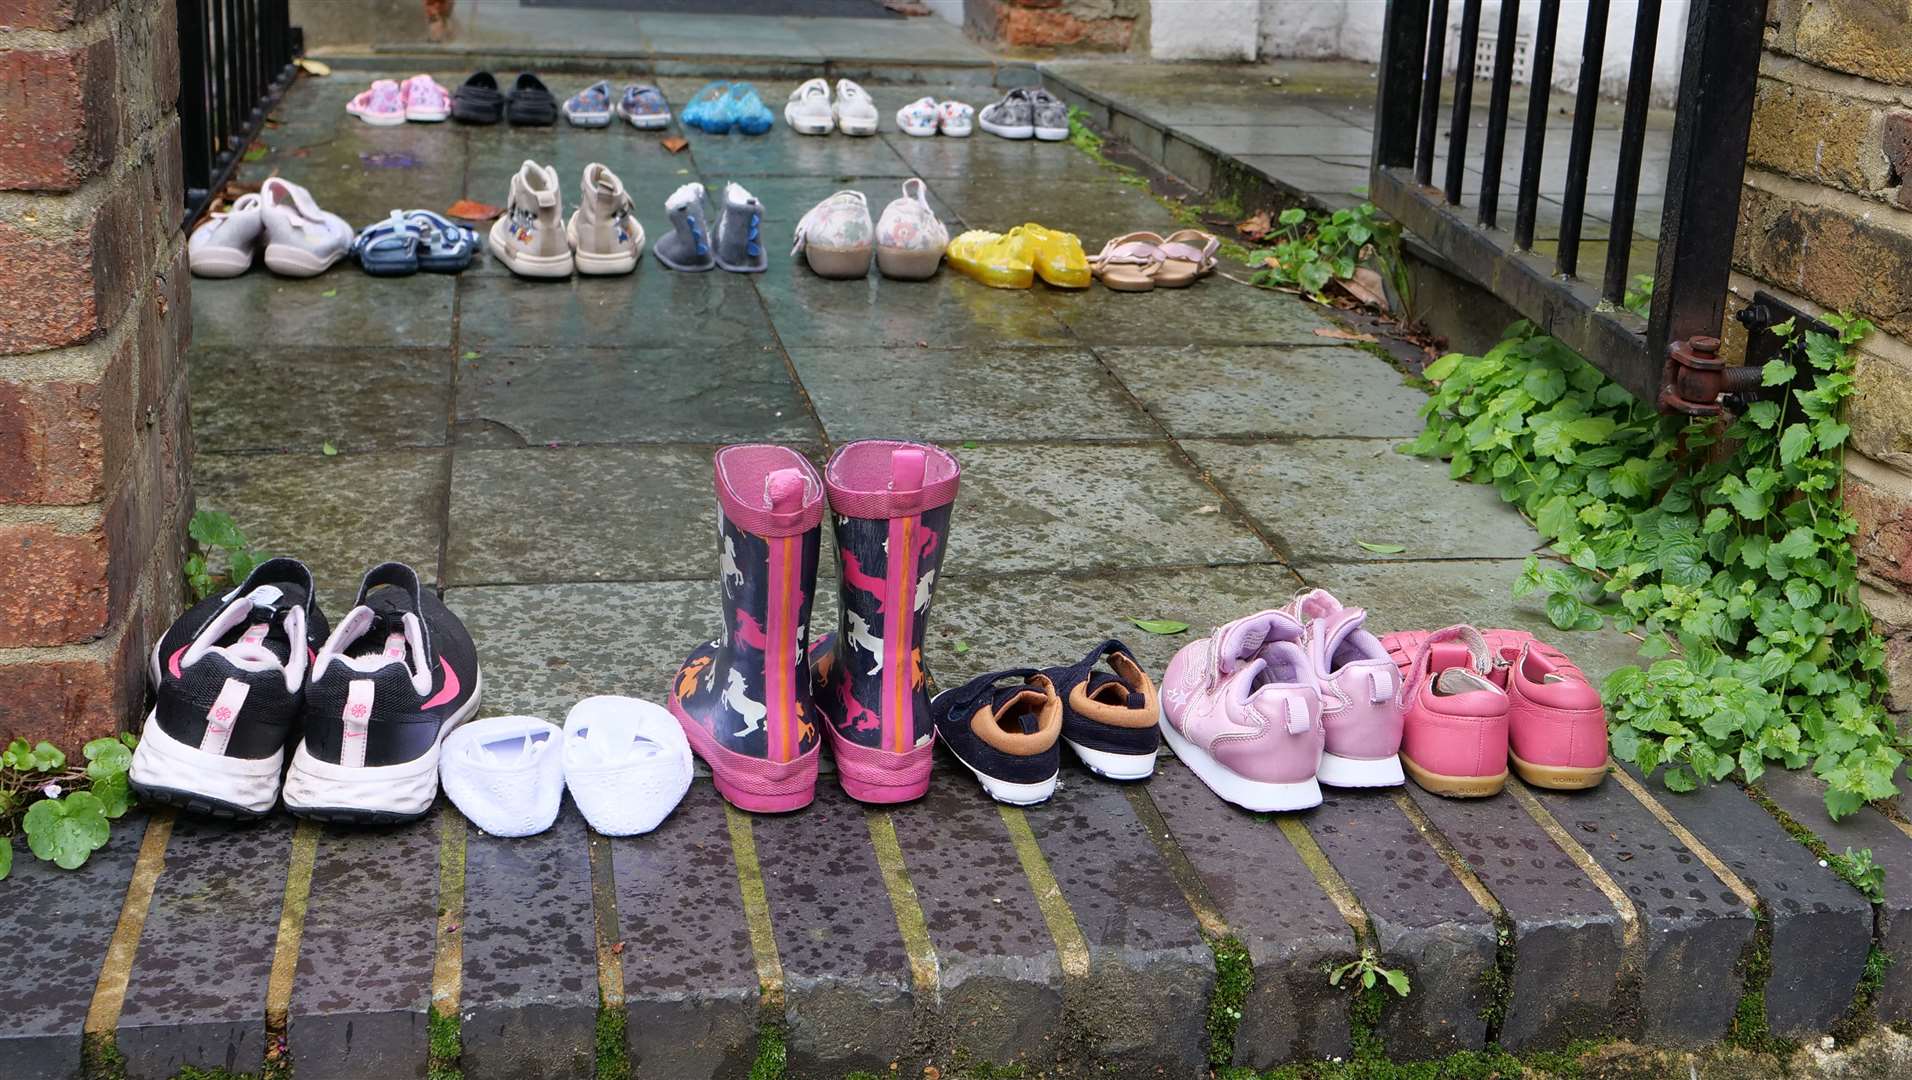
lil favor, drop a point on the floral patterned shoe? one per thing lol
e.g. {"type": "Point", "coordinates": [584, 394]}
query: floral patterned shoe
{"type": "Point", "coordinates": [909, 238]}
{"type": "Point", "coordinates": [834, 236]}
{"type": "Point", "coordinates": [589, 107]}
{"type": "Point", "coordinates": [382, 105]}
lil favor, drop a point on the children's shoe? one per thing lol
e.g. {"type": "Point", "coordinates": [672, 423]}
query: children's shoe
{"type": "Point", "coordinates": [1057, 257]}
{"type": "Point", "coordinates": [444, 246]}
{"type": "Point", "coordinates": [808, 111]}
{"type": "Point", "coordinates": [918, 118]}
{"type": "Point", "coordinates": [1556, 723]}
{"type": "Point", "coordinates": [301, 240]}
{"type": "Point", "coordinates": [739, 241]}
{"type": "Point", "coordinates": [531, 103]}
{"type": "Point", "coordinates": [996, 260]}
{"type": "Point", "coordinates": [1109, 717]}
{"type": "Point", "coordinates": [589, 107]}
{"type": "Point", "coordinates": [687, 246]}
{"type": "Point", "coordinates": [225, 244]}
{"type": "Point", "coordinates": [1241, 712]}
{"type": "Point", "coordinates": [746, 110]}
{"type": "Point", "coordinates": [626, 762]}
{"type": "Point", "coordinates": [890, 506]}
{"type": "Point", "coordinates": [909, 237]}
{"type": "Point", "coordinates": [381, 105]}
{"type": "Point", "coordinates": [1360, 703]}
{"type": "Point", "coordinates": [1012, 118]}
{"type": "Point", "coordinates": [955, 119]}
{"type": "Point", "coordinates": [505, 773]}
{"type": "Point", "coordinates": [388, 248]}
{"type": "Point", "coordinates": [855, 110]}
{"type": "Point", "coordinates": [644, 107]}
{"type": "Point", "coordinates": [744, 700]}
{"type": "Point", "coordinates": [229, 678]}
{"type": "Point", "coordinates": [477, 100]}
{"type": "Point", "coordinates": [835, 236]}
{"type": "Point", "coordinates": [1003, 727]}
{"type": "Point", "coordinates": [1048, 116]}
{"type": "Point", "coordinates": [604, 231]}
{"type": "Point", "coordinates": [426, 102]}
{"type": "Point", "coordinates": [529, 236]}
{"type": "Point", "coordinates": [1454, 737]}
{"type": "Point", "coordinates": [395, 676]}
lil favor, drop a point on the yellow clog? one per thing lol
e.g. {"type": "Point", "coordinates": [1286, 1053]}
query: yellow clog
{"type": "Point", "coordinates": [1057, 256]}
{"type": "Point", "coordinates": [996, 260]}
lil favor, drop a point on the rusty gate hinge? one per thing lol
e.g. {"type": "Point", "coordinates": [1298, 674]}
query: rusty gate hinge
{"type": "Point", "coordinates": [1698, 383]}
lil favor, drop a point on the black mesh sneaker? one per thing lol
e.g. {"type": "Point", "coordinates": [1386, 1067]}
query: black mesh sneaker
{"type": "Point", "coordinates": [229, 678]}
{"type": "Point", "coordinates": [397, 674]}
{"type": "Point", "coordinates": [1003, 727]}
{"type": "Point", "coordinates": [1109, 716]}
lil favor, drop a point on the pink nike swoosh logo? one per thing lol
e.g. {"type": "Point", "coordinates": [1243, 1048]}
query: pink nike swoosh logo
{"type": "Point", "coordinates": [172, 663]}
{"type": "Point", "coordinates": [450, 689]}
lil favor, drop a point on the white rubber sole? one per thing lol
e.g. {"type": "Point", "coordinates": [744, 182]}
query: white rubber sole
{"type": "Point", "coordinates": [921, 133]}
{"type": "Point", "coordinates": [161, 761]}
{"type": "Point", "coordinates": [1114, 766]}
{"type": "Point", "coordinates": [404, 790]}
{"type": "Point", "coordinates": [857, 128]}
{"type": "Point", "coordinates": [219, 262]}
{"type": "Point", "coordinates": [804, 125]}
{"type": "Point", "coordinates": [1257, 795]}
{"type": "Point", "coordinates": [1338, 771]}
{"type": "Point", "coordinates": [1052, 134]}
{"type": "Point", "coordinates": [1024, 131]}
{"type": "Point", "coordinates": [380, 119]}
{"type": "Point", "coordinates": [588, 120]}
{"type": "Point", "coordinates": [297, 262]}
{"type": "Point", "coordinates": [427, 116]}
{"type": "Point", "coordinates": [958, 133]}
{"type": "Point", "coordinates": [535, 266]}
{"type": "Point", "coordinates": [1002, 790]}
{"type": "Point", "coordinates": [646, 123]}
{"type": "Point", "coordinates": [592, 263]}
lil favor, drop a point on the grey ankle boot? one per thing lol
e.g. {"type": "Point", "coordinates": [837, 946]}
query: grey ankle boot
{"type": "Point", "coordinates": [740, 247]}
{"type": "Point", "coordinates": [687, 245]}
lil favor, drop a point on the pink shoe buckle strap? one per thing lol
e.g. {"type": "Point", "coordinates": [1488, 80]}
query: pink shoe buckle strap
{"type": "Point", "coordinates": [1477, 651]}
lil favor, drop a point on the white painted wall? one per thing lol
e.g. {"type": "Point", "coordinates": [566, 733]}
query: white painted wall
{"type": "Point", "coordinates": [1204, 29]}
{"type": "Point", "coordinates": [950, 10]}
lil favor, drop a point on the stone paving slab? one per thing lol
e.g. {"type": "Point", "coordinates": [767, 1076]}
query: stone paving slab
{"type": "Point", "coordinates": [1273, 905]}
{"type": "Point", "coordinates": [349, 398]}
{"type": "Point", "coordinates": [1094, 210]}
{"type": "Point", "coordinates": [362, 311]}
{"type": "Point", "coordinates": [57, 924]}
{"type": "Point", "coordinates": [364, 175]}
{"type": "Point", "coordinates": [1425, 922]}
{"type": "Point", "coordinates": [847, 991]}
{"type": "Point", "coordinates": [364, 976]}
{"type": "Point", "coordinates": [1150, 973]}
{"type": "Point", "coordinates": [715, 310]}
{"type": "Point", "coordinates": [782, 152]}
{"type": "Point", "coordinates": [950, 311]}
{"type": "Point", "coordinates": [690, 979]}
{"type": "Point", "coordinates": [1695, 927]}
{"type": "Point", "coordinates": [1213, 311]}
{"type": "Point", "coordinates": [1567, 937]}
{"type": "Point", "coordinates": [1820, 927]}
{"type": "Point", "coordinates": [1013, 160]}
{"type": "Point", "coordinates": [1206, 391]}
{"type": "Point", "coordinates": [528, 1007]}
{"type": "Point", "coordinates": [999, 981]}
{"type": "Point", "coordinates": [197, 993]}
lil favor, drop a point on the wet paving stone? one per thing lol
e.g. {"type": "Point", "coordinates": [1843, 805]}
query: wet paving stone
{"type": "Point", "coordinates": [604, 513]}
{"type": "Point", "coordinates": [362, 173]}
{"type": "Point", "coordinates": [1008, 161]}
{"type": "Point", "coordinates": [715, 310]}
{"type": "Point", "coordinates": [362, 312]}
{"type": "Point", "coordinates": [1094, 211]}
{"type": "Point", "coordinates": [534, 397]}
{"type": "Point", "coordinates": [197, 994]}
{"type": "Point", "coordinates": [57, 924]}
{"type": "Point", "coordinates": [529, 1003]}
{"type": "Point", "coordinates": [343, 515]}
{"type": "Point", "coordinates": [1321, 496]}
{"type": "Point", "coordinates": [1201, 391]}
{"type": "Point", "coordinates": [847, 988]}
{"type": "Point", "coordinates": [782, 152]}
{"type": "Point", "coordinates": [1064, 507]}
{"type": "Point", "coordinates": [359, 1000]}
{"type": "Point", "coordinates": [948, 311]}
{"type": "Point", "coordinates": [1568, 944]}
{"type": "Point", "coordinates": [1150, 973]}
{"type": "Point", "coordinates": [1802, 796]}
{"type": "Point", "coordinates": [649, 172]}
{"type": "Point", "coordinates": [1821, 927]}
{"type": "Point", "coordinates": [690, 979]}
{"type": "Point", "coordinates": [1276, 909]}
{"type": "Point", "coordinates": [1695, 928]}
{"type": "Point", "coordinates": [354, 399]}
{"type": "Point", "coordinates": [1213, 311]}
{"type": "Point", "coordinates": [1000, 984]}
{"type": "Point", "coordinates": [955, 395]}
{"type": "Point", "coordinates": [1425, 922]}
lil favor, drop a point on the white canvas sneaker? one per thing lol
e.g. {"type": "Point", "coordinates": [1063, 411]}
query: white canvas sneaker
{"type": "Point", "coordinates": [301, 240]}
{"type": "Point", "coordinates": [808, 111]}
{"type": "Point", "coordinates": [855, 110]}
{"type": "Point", "coordinates": [529, 236]}
{"type": "Point", "coordinates": [225, 244]}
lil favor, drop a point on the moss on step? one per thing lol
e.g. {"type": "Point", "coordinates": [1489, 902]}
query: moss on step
{"type": "Point", "coordinates": [1234, 978]}
{"type": "Point", "coordinates": [445, 1044]}
{"type": "Point", "coordinates": [613, 1051]}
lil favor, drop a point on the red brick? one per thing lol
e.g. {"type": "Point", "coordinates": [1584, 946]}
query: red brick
{"type": "Point", "coordinates": [48, 14]}
{"type": "Point", "coordinates": [63, 289]}
{"type": "Point", "coordinates": [1015, 24]}
{"type": "Point", "coordinates": [160, 316]}
{"type": "Point", "coordinates": [53, 588]}
{"type": "Point", "coordinates": [1883, 509]}
{"type": "Point", "coordinates": [59, 115]}
{"type": "Point", "coordinates": [68, 702]}
{"type": "Point", "coordinates": [60, 440]}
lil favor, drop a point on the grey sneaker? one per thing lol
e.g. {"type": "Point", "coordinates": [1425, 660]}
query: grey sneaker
{"type": "Point", "coordinates": [687, 245]}
{"type": "Point", "coordinates": [1012, 118]}
{"type": "Point", "coordinates": [1051, 116]}
{"type": "Point", "coordinates": [529, 237]}
{"type": "Point", "coordinates": [604, 230]}
{"type": "Point", "coordinates": [739, 233]}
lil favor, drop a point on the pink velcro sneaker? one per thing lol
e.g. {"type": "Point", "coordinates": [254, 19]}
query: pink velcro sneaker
{"type": "Point", "coordinates": [1239, 708]}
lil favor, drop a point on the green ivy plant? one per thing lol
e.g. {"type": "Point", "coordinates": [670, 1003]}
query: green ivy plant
{"type": "Point", "coordinates": [1306, 251]}
{"type": "Point", "coordinates": [65, 809]}
{"type": "Point", "coordinates": [1724, 548]}
{"type": "Point", "coordinates": [215, 534]}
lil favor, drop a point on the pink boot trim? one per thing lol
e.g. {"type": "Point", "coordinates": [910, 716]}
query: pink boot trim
{"type": "Point", "coordinates": [749, 783]}
{"type": "Point", "coordinates": [880, 776]}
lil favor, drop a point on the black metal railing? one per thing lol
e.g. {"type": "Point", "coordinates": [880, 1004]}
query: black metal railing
{"type": "Point", "coordinates": [1706, 158]}
{"type": "Point", "coordinates": [235, 59]}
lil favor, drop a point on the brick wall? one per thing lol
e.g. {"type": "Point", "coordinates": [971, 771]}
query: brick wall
{"type": "Point", "coordinates": [1826, 222]}
{"type": "Point", "coordinates": [94, 442]}
{"type": "Point", "coordinates": [1112, 25]}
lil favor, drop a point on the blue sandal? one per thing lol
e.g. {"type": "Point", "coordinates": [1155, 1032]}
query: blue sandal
{"type": "Point", "coordinates": [388, 248]}
{"type": "Point", "coordinates": [444, 246]}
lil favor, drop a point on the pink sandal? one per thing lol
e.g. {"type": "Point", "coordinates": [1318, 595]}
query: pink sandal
{"type": "Point", "coordinates": [1129, 263]}
{"type": "Point", "coordinates": [1187, 255]}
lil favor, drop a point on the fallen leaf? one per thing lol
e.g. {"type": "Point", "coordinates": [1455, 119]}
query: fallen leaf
{"type": "Point", "coordinates": [1208, 509]}
{"type": "Point", "coordinates": [1256, 227]}
{"type": "Point", "coordinates": [1339, 334]}
{"type": "Point", "coordinates": [329, 293]}
{"type": "Point", "coordinates": [676, 143]}
{"type": "Point", "coordinates": [256, 152]}
{"type": "Point", "coordinates": [961, 646]}
{"type": "Point", "coordinates": [317, 68]}
{"type": "Point", "coordinates": [329, 450]}
{"type": "Point", "coordinates": [1382, 549]}
{"type": "Point", "coordinates": [1159, 626]}
{"type": "Point", "coordinates": [617, 949]}
{"type": "Point", "coordinates": [970, 445]}
{"type": "Point", "coordinates": [1364, 287]}
{"type": "Point", "coordinates": [470, 354]}
{"type": "Point", "coordinates": [473, 211]}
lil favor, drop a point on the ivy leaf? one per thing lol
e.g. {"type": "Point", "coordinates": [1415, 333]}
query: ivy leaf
{"type": "Point", "coordinates": [115, 795]}
{"type": "Point", "coordinates": [1545, 385]}
{"type": "Point", "coordinates": [1831, 434]}
{"type": "Point", "coordinates": [66, 830]}
{"type": "Point", "coordinates": [106, 758]}
{"type": "Point", "coordinates": [6, 857]}
{"type": "Point", "coordinates": [47, 757]}
{"type": "Point", "coordinates": [1800, 543]}
{"type": "Point", "coordinates": [1777, 373]}
{"type": "Point", "coordinates": [1564, 610]}
{"type": "Point", "coordinates": [1750, 503]}
{"type": "Point", "coordinates": [1442, 368]}
{"type": "Point", "coordinates": [1159, 626]}
{"type": "Point", "coordinates": [1795, 443]}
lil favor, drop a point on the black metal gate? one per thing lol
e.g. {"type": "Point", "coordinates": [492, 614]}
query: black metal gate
{"type": "Point", "coordinates": [1706, 160]}
{"type": "Point", "coordinates": [235, 59]}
